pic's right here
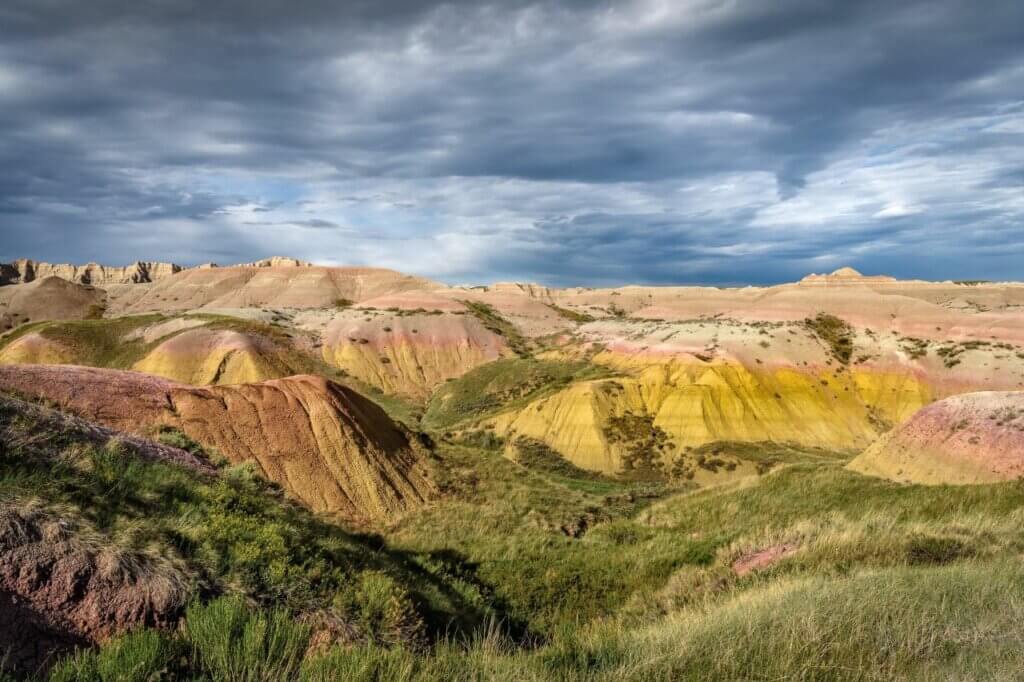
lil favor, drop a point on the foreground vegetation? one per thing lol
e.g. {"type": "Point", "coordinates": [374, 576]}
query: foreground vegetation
{"type": "Point", "coordinates": [533, 570]}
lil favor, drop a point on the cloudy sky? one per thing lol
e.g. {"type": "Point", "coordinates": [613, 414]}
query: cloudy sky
{"type": "Point", "coordinates": [567, 142]}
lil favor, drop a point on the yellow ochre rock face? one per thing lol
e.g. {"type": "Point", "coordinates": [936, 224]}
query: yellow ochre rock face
{"type": "Point", "coordinates": [409, 354]}
{"type": "Point", "coordinates": [35, 349]}
{"type": "Point", "coordinates": [684, 384]}
{"type": "Point", "coordinates": [329, 446]}
{"type": "Point", "coordinates": [697, 403]}
{"type": "Point", "coordinates": [208, 356]}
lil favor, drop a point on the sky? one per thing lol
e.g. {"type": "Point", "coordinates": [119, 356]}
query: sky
{"type": "Point", "coordinates": [571, 142]}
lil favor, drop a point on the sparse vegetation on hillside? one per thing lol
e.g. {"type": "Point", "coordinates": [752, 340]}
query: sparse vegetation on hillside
{"type": "Point", "coordinates": [571, 315]}
{"type": "Point", "coordinates": [495, 322]}
{"type": "Point", "coordinates": [835, 333]}
{"type": "Point", "coordinates": [645, 445]}
{"type": "Point", "coordinates": [94, 342]}
{"type": "Point", "coordinates": [501, 385]}
{"type": "Point", "coordinates": [234, 532]}
{"type": "Point", "coordinates": [538, 455]}
{"type": "Point", "coordinates": [614, 580]}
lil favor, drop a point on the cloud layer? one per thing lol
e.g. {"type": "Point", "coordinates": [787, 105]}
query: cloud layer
{"type": "Point", "coordinates": [565, 142]}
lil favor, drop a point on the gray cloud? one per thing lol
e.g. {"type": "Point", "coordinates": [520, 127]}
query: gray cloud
{"type": "Point", "coordinates": [567, 142]}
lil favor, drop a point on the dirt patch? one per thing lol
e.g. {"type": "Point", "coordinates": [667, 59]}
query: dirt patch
{"type": "Point", "coordinates": [60, 588]}
{"type": "Point", "coordinates": [762, 558]}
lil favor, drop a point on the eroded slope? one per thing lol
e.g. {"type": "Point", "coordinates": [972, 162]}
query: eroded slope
{"type": "Point", "coordinates": [971, 438]}
{"type": "Point", "coordinates": [328, 446]}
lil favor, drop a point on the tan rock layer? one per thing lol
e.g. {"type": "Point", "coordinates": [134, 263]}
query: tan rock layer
{"type": "Point", "coordinates": [328, 446]}
{"type": "Point", "coordinates": [25, 270]}
{"type": "Point", "coordinates": [51, 298]}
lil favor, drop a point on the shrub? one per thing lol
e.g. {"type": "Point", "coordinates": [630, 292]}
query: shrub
{"type": "Point", "coordinates": [382, 609]}
{"type": "Point", "coordinates": [136, 657]}
{"type": "Point", "coordinates": [835, 333]}
{"type": "Point", "coordinates": [233, 643]}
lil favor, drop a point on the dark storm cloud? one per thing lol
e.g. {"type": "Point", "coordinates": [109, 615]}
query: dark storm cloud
{"type": "Point", "coordinates": [569, 142]}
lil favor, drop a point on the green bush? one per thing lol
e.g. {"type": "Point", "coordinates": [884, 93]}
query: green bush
{"type": "Point", "coordinates": [234, 643]}
{"type": "Point", "coordinates": [381, 607]}
{"type": "Point", "coordinates": [141, 656]}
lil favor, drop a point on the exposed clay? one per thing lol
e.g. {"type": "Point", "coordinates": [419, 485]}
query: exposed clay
{"type": "Point", "coordinates": [58, 591]}
{"type": "Point", "coordinates": [970, 438]}
{"type": "Point", "coordinates": [762, 558]}
{"type": "Point", "coordinates": [331, 448]}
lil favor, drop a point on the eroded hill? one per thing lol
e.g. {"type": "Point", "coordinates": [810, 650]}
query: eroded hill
{"type": "Point", "coordinates": [332, 449]}
{"type": "Point", "coordinates": [832, 361]}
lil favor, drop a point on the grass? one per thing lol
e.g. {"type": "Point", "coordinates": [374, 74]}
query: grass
{"type": "Point", "coordinates": [536, 570]}
{"type": "Point", "coordinates": [235, 532]}
{"type": "Point", "coordinates": [499, 386]}
{"type": "Point", "coordinates": [96, 342]}
{"type": "Point", "coordinates": [140, 656]}
{"type": "Point", "coordinates": [950, 622]}
{"type": "Point", "coordinates": [495, 322]}
{"type": "Point", "coordinates": [231, 641]}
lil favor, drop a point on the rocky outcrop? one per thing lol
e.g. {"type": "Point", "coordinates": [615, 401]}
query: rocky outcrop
{"type": "Point", "coordinates": [711, 380]}
{"type": "Point", "coordinates": [329, 447]}
{"type": "Point", "coordinates": [25, 270]}
{"type": "Point", "coordinates": [970, 438]}
{"type": "Point", "coordinates": [277, 262]}
{"type": "Point", "coordinates": [845, 275]}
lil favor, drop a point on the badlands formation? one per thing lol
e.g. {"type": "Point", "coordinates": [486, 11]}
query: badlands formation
{"type": "Point", "coordinates": [835, 361]}
{"type": "Point", "coordinates": [331, 448]}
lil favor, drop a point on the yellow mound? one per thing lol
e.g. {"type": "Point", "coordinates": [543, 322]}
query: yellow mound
{"type": "Point", "coordinates": [209, 356]}
{"type": "Point", "coordinates": [597, 424]}
{"type": "Point", "coordinates": [35, 349]}
{"type": "Point", "coordinates": [409, 354]}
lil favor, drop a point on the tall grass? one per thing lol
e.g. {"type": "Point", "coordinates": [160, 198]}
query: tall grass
{"type": "Point", "coordinates": [953, 622]}
{"type": "Point", "coordinates": [233, 643]}
{"type": "Point", "coordinates": [143, 656]}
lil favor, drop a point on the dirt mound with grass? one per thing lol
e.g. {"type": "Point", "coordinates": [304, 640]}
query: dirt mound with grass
{"type": "Point", "coordinates": [61, 588]}
{"type": "Point", "coordinates": [51, 298]}
{"type": "Point", "coordinates": [970, 438]}
{"type": "Point", "coordinates": [48, 421]}
{"type": "Point", "coordinates": [329, 447]}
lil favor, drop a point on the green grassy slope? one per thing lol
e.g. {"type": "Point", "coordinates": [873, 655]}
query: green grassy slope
{"type": "Point", "coordinates": [501, 385]}
{"type": "Point", "coordinates": [588, 578]}
{"type": "Point", "coordinates": [234, 533]}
